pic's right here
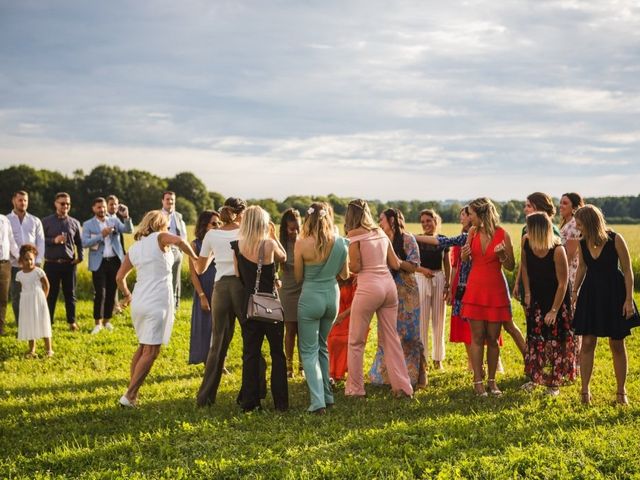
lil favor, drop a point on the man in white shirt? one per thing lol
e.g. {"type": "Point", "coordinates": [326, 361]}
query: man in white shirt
{"type": "Point", "coordinates": [177, 227]}
{"type": "Point", "coordinates": [26, 229]}
{"type": "Point", "coordinates": [8, 249]}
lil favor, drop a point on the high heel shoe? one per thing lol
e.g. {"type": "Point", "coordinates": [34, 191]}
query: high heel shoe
{"type": "Point", "coordinates": [495, 391]}
{"type": "Point", "coordinates": [483, 393]}
{"type": "Point", "coordinates": [621, 398]}
{"type": "Point", "coordinates": [585, 398]}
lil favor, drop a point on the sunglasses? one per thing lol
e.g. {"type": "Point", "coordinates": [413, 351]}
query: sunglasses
{"type": "Point", "coordinates": [215, 224]}
{"type": "Point", "coordinates": [64, 204]}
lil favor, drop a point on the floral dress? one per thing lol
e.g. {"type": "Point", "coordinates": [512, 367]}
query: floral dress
{"type": "Point", "coordinates": [408, 323]}
{"type": "Point", "coordinates": [550, 357]}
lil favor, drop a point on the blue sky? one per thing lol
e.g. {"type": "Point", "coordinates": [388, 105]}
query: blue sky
{"type": "Point", "coordinates": [392, 100]}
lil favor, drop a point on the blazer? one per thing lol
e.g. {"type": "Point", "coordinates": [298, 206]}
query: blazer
{"type": "Point", "coordinates": [93, 240]}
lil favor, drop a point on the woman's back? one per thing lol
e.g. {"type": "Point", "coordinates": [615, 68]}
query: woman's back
{"type": "Point", "coordinates": [327, 270]}
{"type": "Point", "coordinates": [373, 252]}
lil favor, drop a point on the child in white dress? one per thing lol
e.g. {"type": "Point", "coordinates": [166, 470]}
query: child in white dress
{"type": "Point", "coordinates": [34, 321]}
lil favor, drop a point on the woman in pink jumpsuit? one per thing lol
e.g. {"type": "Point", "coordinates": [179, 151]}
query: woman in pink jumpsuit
{"type": "Point", "coordinates": [370, 256]}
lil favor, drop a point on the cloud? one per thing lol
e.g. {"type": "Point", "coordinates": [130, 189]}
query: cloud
{"type": "Point", "coordinates": [525, 93]}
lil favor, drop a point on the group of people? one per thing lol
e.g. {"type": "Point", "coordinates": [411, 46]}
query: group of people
{"type": "Point", "coordinates": [575, 284]}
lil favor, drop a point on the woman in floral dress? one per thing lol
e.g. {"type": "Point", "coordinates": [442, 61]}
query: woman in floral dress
{"type": "Point", "coordinates": [550, 358]}
{"type": "Point", "coordinates": [406, 248]}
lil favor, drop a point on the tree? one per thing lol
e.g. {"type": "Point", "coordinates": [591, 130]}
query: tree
{"type": "Point", "coordinates": [189, 187]}
{"type": "Point", "coordinates": [217, 199]}
{"type": "Point", "coordinates": [187, 209]}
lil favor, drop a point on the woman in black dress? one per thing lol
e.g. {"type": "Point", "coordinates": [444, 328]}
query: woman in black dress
{"type": "Point", "coordinates": [604, 305]}
{"type": "Point", "coordinates": [257, 238]}
{"type": "Point", "coordinates": [550, 355]}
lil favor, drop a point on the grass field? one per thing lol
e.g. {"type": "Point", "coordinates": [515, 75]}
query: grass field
{"type": "Point", "coordinates": [59, 419]}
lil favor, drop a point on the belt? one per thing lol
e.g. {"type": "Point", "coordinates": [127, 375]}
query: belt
{"type": "Point", "coordinates": [4, 261]}
{"type": "Point", "coordinates": [58, 260]}
{"type": "Point", "coordinates": [110, 259]}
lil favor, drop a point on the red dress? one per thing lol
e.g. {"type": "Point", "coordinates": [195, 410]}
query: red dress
{"type": "Point", "coordinates": [487, 294]}
{"type": "Point", "coordinates": [338, 339]}
{"type": "Point", "coordinates": [460, 329]}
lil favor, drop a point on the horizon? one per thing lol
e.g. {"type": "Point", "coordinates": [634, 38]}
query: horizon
{"type": "Point", "coordinates": [392, 102]}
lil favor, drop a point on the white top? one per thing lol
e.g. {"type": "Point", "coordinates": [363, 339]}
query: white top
{"type": "Point", "coordinates": [152, 302]}
{"type": "Point", "coordinates": [219, 242]}
{"type": "Point", "coordinates": [107, 252]}
{"type": "Point", "coordinates": [28, 231]}
{"type": "Point", "coordinates": [8, 246]}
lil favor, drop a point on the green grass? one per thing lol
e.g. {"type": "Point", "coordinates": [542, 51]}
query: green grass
{"type": "Point", "coordinates": [59, 419]}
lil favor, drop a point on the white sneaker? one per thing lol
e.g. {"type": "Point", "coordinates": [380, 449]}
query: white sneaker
{"type": "Point", "coordinates": [96, 329]}
{"type": "Point", "coordinates": [108, 326]}
{"type": "Point", "coordinates": [124, 402]}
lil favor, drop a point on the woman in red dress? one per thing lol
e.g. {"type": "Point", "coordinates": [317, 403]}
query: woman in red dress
{"type": "Point", "coordinates": [486, 302]}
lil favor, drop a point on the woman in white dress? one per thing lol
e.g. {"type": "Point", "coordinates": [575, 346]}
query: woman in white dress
{"type": "Point", "coordinates": [152, 305]}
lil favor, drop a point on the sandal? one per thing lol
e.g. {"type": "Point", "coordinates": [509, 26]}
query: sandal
{"type": "Point", "coordinates": [483, 393]}
{"type": "Point", "coordinates": [585, 398]}
{"type": "Point", "coordinates": [621, 398]}
{"type": "Point", "coordinates": [495, 391]}
{"type": "Point", "coordinates": [528, 387]}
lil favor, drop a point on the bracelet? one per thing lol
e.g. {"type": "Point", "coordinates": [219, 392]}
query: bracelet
{"type": "Point", "coordinates": [202, 294]}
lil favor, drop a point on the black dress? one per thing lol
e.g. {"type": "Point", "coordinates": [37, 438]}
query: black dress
{"type": "Point", "coordinates": [253, 333]}
{"type": "Point", "coordinates": [602, 295]}
{"type": "Point", "coordinates": [550, 358]}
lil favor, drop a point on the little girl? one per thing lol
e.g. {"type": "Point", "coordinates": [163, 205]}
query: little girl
{"type": "Point", "coordinates": [34, 321]}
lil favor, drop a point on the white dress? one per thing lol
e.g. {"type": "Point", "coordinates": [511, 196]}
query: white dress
{"type": "Point", "coordinates": [34, 321]}
{"type": "Point", "coordinates": [152, 302]}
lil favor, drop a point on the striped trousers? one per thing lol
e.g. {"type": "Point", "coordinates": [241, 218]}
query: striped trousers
{"type": "Point", "coordinates": [433, 310]}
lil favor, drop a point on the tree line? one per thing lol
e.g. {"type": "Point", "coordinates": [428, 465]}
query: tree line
{"type": "Point", "coordinates": [142, 191]}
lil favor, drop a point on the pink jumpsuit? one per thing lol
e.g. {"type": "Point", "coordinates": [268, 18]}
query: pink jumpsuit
{"type": "Point", "coordinates": [376, 293]}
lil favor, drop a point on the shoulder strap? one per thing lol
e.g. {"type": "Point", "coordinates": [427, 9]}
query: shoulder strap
{"type": "Point", "coordinates": [337, 243]}
{"type": "Point", "coordinates": [259, 270]}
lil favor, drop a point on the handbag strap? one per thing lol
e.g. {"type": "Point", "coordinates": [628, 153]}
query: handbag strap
{"type": "Point", "coordinates": [259, 270]}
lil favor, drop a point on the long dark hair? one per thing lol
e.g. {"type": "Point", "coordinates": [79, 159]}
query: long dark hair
{"type": "Point", "coordinates": [203, 222]}
{"type": "Point", "coordinates": [397, 225]}
{"type": "Point", "coordinates": [289, 215]}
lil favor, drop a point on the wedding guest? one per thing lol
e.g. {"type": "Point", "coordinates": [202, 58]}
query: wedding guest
{"type": "Point", "coordinates": [550, 359]}
{"type": "Point", "coordinates": [338, 339]}
{"type": "Point", "coordinates": [370, 256]}
{"type": "Point", "coordinates": [460, 331]}
{"type": "Point", "coordinates": [256, 251]}
{"type": "Point", "coordinates": [100, 236]}
{"type": "Point", "coordinates": [408, 320]}
{"type": "Point", "coordinates": [8, 250]}
{"type": "Point", "coordinates": [27, 229]}
{"type": "Point", "coordinates": [535, 202]}
{"type": "Point", "coordinates": [433, 277]}
{"type": "Point", "coordinates": [152, 301]}
{"type": "Point", "coordinates": [34, 322]}
{"type": "Point", "coordinates": [200, 338]}
{"type": "Point", "coordinates": [290, 289]}
{"type": "Point", "coordinates": [228, 294]}
{"type": "Point", "coordinates": [486, 303]}
{"type": "Point", "coordinates": [320, 256]}
{"type": "Point", "coordinates": [176, 227]}
{"type": "Point", "coordinates": [62, 253]}
{"type": "Point", "coordinates": [604, 306]}
{"type": "Point", "coordinates": [569, 203]}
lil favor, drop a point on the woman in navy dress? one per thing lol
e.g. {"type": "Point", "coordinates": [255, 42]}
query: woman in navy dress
{"type": "Point", "coordinates": [200, 339]}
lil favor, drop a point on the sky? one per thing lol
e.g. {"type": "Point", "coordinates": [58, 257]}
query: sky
{"type": "Point", "coordinates": [378, 99]}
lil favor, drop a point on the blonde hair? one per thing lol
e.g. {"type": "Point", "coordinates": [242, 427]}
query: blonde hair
{"type": "Point", "coordinates": [437, 219]}
{"type": "Point", "coordinates": [594, 226]}
{"type": "Point", "coordinates": [487, 213]}
{"type": "Point", "coordinates": [540, 231]}
{"type": "Point", "coordinates": [319, 224]}
{"type": "Point", "coordinates": [358, 215]}
{"type": "Point", "coordinates": [254, 228]}
{"type": "Point", "coordinates": [153, 221]}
